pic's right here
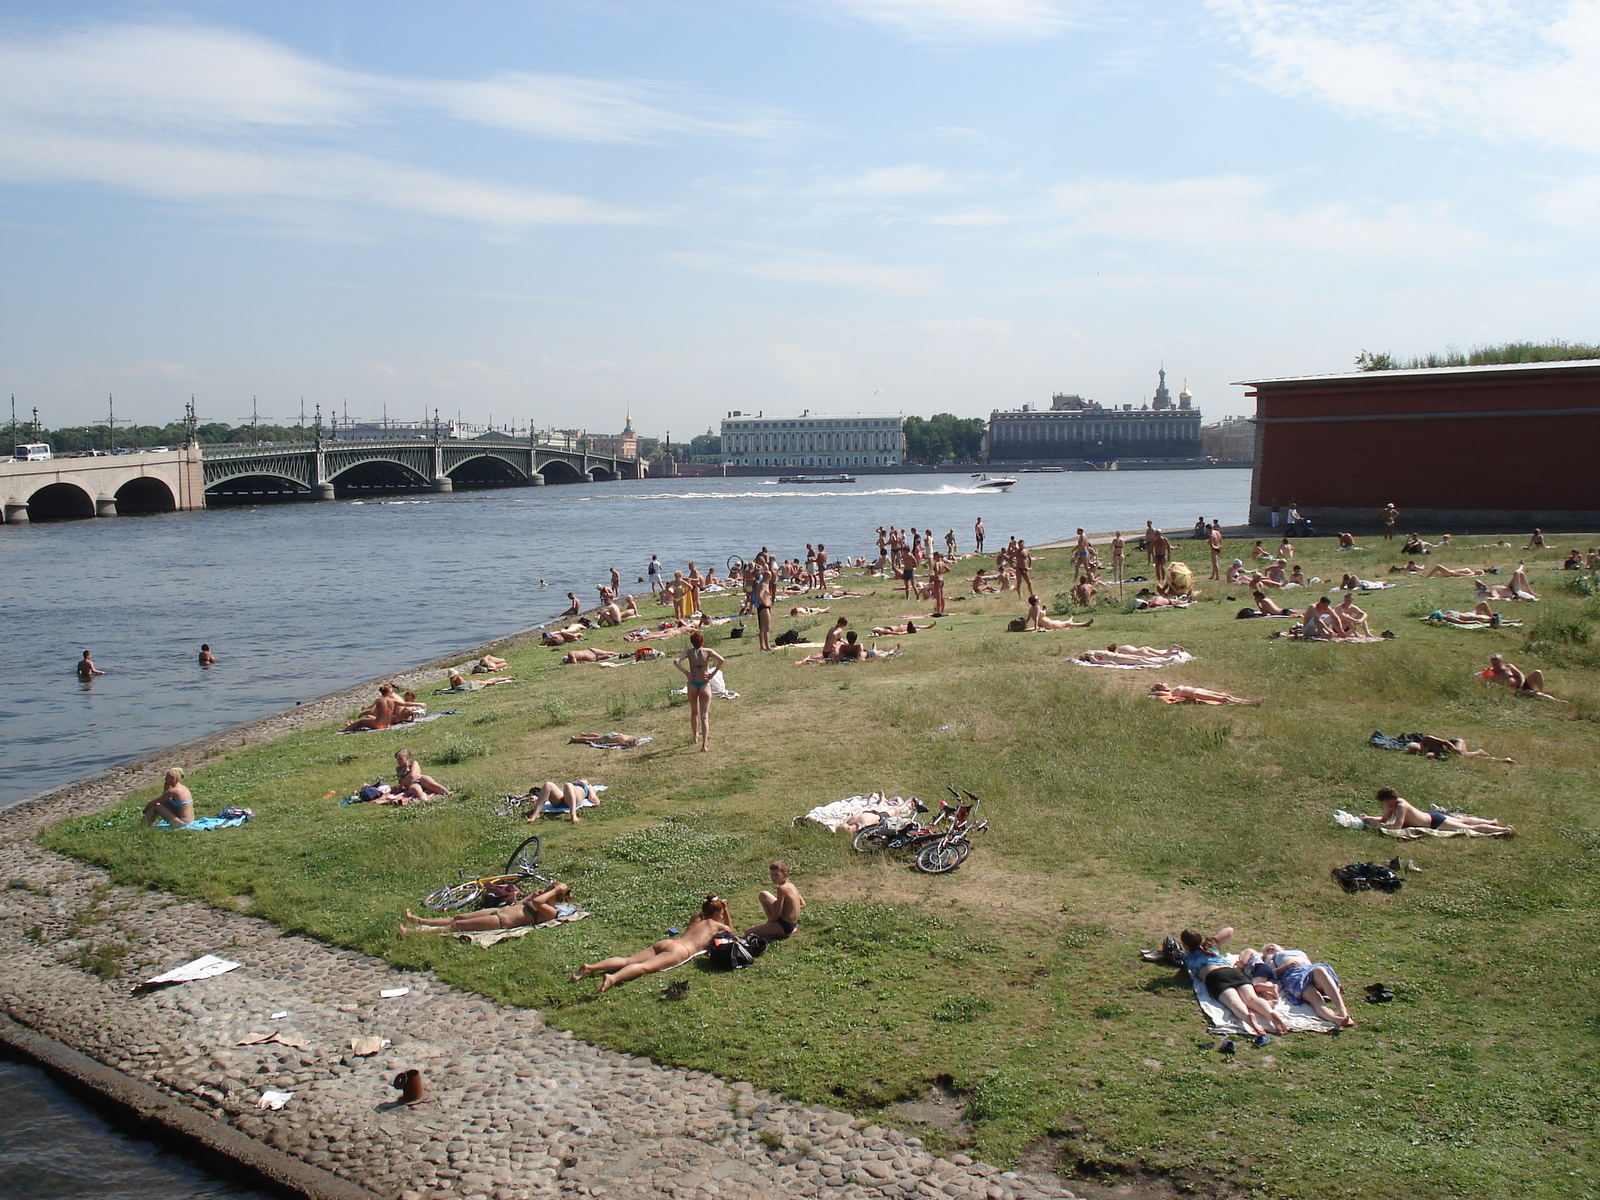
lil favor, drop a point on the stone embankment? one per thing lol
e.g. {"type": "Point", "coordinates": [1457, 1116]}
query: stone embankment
{"type": "Point", "coordinates": [513, 1109]}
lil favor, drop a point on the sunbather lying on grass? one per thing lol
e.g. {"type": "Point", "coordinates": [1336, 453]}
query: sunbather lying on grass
{"type": "Point", "coordinates": [459, 683]}
{"type": "Point", "coordinates": [1177, 694]}
{"type": "Point", "coordinates": [1400, 813]}
{"type": "Point", "coordinates": [1481, 614]}
{"type": "Point", "coordinates": [1228, 985]}
{"type": "Point", "coordinates": [1131, 656]}
{"type": "Point", "coordinates": [711, 920]}
{"type": "Point", "coordinates": [1443, 747]}
{"type": "Point", "coordinates": [605, 739]}
{"type": "Point", "coordinates": [1440, 571]}
{"type": "Point", "coordinates": [560, 637]}
{"type": "Point", "coordinates": [1040, 623]}
{"type": "Point", "coordinates": [488, 665]}
{"type": "Point", "coordinates": [1529, 683]}
{"type": "Point", "coordinates": [1300, 980]}
{"type": "Point", "coordinates": [561, 796]}
{"type": "Point", "coordinates": [531, 910]}
{"type": "Point", "coordinates": [587, 654]}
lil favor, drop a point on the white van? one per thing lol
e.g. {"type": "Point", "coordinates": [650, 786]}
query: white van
{"type": "Point", "coordinates": [33, 452]}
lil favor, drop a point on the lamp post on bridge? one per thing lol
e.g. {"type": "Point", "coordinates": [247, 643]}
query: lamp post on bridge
{"type": "Point", "coordinates": [321, 489]}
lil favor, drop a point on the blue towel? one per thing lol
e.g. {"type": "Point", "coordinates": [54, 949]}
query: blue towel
{"type": "Point", "coordinates": [1384, 742]}
{"type": "Point", "coordinates": [228, 818]}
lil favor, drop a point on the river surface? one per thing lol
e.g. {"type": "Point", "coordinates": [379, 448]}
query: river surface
{"type": "Point", "coordinates": [298, 600]}
{"type": "Point", "coordinates": [55, 1148]}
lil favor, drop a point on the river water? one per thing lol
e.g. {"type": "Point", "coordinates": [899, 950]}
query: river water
{"type": "Point", "coordinates": [297, 600]}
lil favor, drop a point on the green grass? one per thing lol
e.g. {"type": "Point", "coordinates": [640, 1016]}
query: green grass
{"type": "Point", "coordinates": [1016, 979]}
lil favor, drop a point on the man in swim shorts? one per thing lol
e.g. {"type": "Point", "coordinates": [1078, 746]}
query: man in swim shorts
{"type": "Point", "coordinates": [1400, 813]}
{"type": "Point", "coordinates": [782, 906]}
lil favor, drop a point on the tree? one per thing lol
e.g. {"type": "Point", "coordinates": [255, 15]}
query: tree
{"type": "Point", "coordinates": [942, 437]}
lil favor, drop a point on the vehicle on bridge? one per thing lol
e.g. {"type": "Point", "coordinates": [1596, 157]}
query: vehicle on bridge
{"type": "Point", "coordinates": [32, 452]}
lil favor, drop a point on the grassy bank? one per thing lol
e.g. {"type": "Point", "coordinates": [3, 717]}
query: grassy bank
{"type": "Point", "coordinates": [1016, 980]}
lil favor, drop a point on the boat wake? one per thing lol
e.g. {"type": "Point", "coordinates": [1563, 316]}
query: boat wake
{"type": "Point", "coordinates": [792, 494]}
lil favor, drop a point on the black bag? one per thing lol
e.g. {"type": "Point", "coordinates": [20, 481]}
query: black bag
{"type": "Point", "coordinates": [1360, 877]}
{"type": "Point", "coordinates": [728, 952]}
{"type": "Point", "coordinates": [788, 637]}
{"type": "Point", "coordinates": [1017, 625]}
{"type": "Point", "coordinates": [736, 632]}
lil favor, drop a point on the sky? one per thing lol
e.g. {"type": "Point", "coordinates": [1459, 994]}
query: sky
{"type": "Point", "coordinates": [557, 212]}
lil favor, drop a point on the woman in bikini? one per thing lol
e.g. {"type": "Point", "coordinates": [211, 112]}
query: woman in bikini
{"type": "Point", "coordinates": [1227, 984]}
{"type": "Point", "coordinates": [937, 570]}
{"type": "Point", "coordinates": [531, 910]}
{"type": "Point", "coordinates": [1530, 683]}
{"type": "Point", "coordinates": [413, 782]}
{"type": "Point", "coordinates": [711, 920]}
{"type": "Point", "coordinates": [698, 665]}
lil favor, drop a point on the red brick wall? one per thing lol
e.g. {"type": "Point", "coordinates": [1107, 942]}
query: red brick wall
{"type": "Point", "coordinates": [1532, 462]}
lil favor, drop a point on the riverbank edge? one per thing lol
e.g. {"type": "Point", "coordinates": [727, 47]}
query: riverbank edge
{"type": "Point", "coordinates": [148, 1112]}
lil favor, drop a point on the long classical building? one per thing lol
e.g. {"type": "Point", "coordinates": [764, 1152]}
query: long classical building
{"type": "Point", "coordinates": [1504, 446]}
{"type": "Point", "coordinates": [1073, 428]}
{"type": "Point", "coordinates": [857, 440]}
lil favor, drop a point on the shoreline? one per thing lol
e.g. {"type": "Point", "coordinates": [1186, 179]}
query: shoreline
{"type": "Point", "coordinates": [689, 1133]}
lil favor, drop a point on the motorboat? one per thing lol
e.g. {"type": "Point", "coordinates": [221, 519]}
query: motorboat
{"type": "Point", "coordinates": [841, 478]}
{"type": "Point", "coordinates": [994, 483]}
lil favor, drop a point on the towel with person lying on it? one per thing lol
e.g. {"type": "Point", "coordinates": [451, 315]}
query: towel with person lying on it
{"type": "Point", "coordinates": [1299, 1017]}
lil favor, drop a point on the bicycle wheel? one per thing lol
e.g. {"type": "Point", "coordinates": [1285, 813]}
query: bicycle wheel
{"type": "Point", "coordinates": [867, 840]}
{"type": "Point", "coordinates": [524, 858]}
{"type": "Point", "coordinates": [735, 565]}
{"type": "Point", "coordinates": [939, 857]}
{"type": "Point", "coordinates": [457, 895]}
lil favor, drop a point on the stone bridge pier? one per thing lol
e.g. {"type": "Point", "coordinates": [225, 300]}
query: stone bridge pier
{"type": "Point", "coordinates": [169, 481]}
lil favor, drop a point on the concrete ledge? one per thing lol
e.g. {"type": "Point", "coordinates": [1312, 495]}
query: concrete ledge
{"type": "Point", "coordinates": [161, 1118]}
{"type": "Point", "coordinates": [1329, 521]}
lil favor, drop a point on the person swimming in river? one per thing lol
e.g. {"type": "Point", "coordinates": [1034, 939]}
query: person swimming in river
{"type": "Point", "coordinates": [207, 659]}
{"type": "Point", "coordinates": [711, 920]}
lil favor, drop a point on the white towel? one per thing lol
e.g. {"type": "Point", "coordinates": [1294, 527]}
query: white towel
{"type": "Point", "coordinates": [835, 814]}
{"type": "Point", "coordinates": [1182, 656]}
{"type": "Point", "coordinates": [1219, 1020]}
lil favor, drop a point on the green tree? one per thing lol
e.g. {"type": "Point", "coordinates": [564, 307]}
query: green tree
{"type": "Point", "coordinates": [943, 437]}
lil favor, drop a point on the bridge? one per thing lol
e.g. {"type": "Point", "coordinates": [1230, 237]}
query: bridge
{"type": "Point", "coordinates": [197, 476]}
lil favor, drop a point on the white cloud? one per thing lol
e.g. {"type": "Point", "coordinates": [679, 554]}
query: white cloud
{"type": "Point", "coordinates": [982, 216]}
{"type": "Point", "coordinates": [197, 114]}
{"type": "Point", "coordinates": [836, 269]}
{"type": "Point", "coordinates": [1507, 70]}
{"type": "Point", "coordinates": [984, 326]}
{"type": "Point", "coordinates": [914, 179]}
{"type": "Point", "coordinates": [964, 18]}
{"type": "Point", "coordinates": [191, 172]}
{"type": "Point", "coordinates": [1234, 216]}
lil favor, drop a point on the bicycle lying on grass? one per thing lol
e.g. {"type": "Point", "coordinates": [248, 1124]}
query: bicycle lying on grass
{"type": "Point", "coordinates": [519, 867]}
{"type": "Point", "coordinates": [941, 845]}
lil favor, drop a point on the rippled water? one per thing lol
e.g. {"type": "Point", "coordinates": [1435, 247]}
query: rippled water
{"type": "Point", "coordinates": [299, 599]}
{"type": "Point", "coordinates": [54, 1148]}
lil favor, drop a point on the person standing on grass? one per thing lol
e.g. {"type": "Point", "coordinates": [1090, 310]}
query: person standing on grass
{"type": "Point", "coordinates": [938, 568]}
{"type": "Point", "coordinates": [654, 571]}
{"type": "Point", "coordinates": [763, 598]}
{"type": "Point", "coordinates": [822, 566]}
{"type": "Point", "coordinates": [1117, 545]}
{"type": "Point", "coordinates": [977, 534]}
{"type": "Point", "coordinates": [1080, 556]}
{"type": "Point", "coordinates": [698, 665]}
{"type": "Point", "coordinates": [1214, 543]}
{"type": "Point", "coordinates": [1023, 563]}
{"type": "Point", "coordinates": [1160, 549]}
{"type": "Point", "coordinates": [1390, 516]}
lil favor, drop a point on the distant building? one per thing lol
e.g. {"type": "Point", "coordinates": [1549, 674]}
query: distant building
{"type": "Point", "coordinates": [858, 440]}
{"type": "Point", "coordinates": [1233, 439]}
{"type": "Point", "coordinates": [621, 445]}
{"type": "Point", "coordinates": [1077, 429]}
{"type": "Point", "coordinates": [1503, 446]}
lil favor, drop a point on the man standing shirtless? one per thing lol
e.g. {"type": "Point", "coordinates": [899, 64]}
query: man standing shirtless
{"type": "Point", "coordinates": [1214, 541]}
{"type": "Point", "coordinates": [1160, 550]}
{"type": "Point", "coordinates": [86, 667]}
{"type": "Point", "coordinates": [782, 906]}
{"type": "Point", "coordinates": [977, 534]}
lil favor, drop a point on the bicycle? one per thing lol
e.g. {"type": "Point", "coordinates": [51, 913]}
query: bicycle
{"type": "Point", "coordinates": [736, 566]}
{"type": "Point", "coordinates": [520, 866]}
{"type": "Point", "coordinates": [951, 848]}
{"type": "Point", "coordinates": [895, 832]}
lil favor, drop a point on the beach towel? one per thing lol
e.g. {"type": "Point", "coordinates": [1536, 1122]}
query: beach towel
{"type": "Point", "coordinates": [449, 712]}
{"type": "Point", "coordinates": [1353, 640]}
{"type": "Point", "coordinates": [834, 815]}
{"type": "Point", "coordinates": [1222, 1023]}
{"type": "Point", "coordinates": [228, 818]}
{"type": "Point", "coordinates": [484, 938]}
{"type": "Point", "coordinates": [1383, 742]}
{"type": "Point", "coordinates": [1173, 660]}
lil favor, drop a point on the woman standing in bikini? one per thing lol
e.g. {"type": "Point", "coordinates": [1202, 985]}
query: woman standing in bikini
{"type": "Point", "coordinates": [711, 920]}
{"type": "Point", "coordinates": [699, 664]}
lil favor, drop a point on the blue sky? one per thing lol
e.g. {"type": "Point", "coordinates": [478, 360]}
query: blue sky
{"type": "Point", "coordinates": [551, 211]}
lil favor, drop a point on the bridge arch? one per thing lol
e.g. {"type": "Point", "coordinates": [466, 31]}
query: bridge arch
{"type": "Point", "coordinates": [485, 471]}
{"type": "Point", "coordinates": [600, 474]}
{"type": "Point", "coordinates": [559, 471]}
{"type": "Point", "coordinates": [60, 502]}
{"type": "Point", "coordinates": [378, 475]}
{"type": "Point", "coordinates": [145, 494]}
{"type": "Point", "coordinates": [256, 489]}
